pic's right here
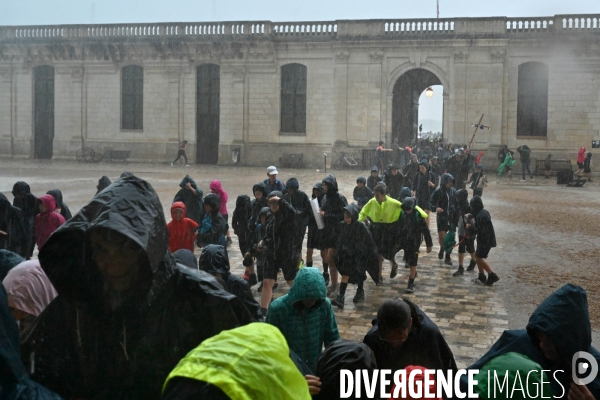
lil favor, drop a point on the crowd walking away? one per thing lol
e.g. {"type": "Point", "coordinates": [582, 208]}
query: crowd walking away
{"type": "Point", "coordinates": [119, 303]}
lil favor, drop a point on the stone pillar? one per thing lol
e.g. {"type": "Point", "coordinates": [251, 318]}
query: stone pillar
{"type": "Point", "coordinates": [341, 95]}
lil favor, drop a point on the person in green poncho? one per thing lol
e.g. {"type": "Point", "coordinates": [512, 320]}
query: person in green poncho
{"type": "Point", "coordinates": [507, 164]}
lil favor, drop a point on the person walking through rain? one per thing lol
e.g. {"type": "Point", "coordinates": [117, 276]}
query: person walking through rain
{"type": "Point", "coordinates": [442, 202]}
{"type": "Point", "coordinates": [181, 153]}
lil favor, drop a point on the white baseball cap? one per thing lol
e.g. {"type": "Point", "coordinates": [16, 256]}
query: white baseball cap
{"type": "Point", "coordinates": [272, 170]}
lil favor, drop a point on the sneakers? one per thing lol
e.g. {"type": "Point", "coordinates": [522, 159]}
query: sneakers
{"type": "Point", "coordinates": [338, 301]}
{"type": "Point", "coordinates": [229, 242]}
{"type": "Point", "coordinates": [441, 253]}
{"type": "Point", "coordinates": [472, 265]}
{"type": "Point", "coordinates": [187, 165]}
{"type": "Point", "coordinates": [171, 164]}
{"type": "Point", "coordinates": [522, 180]}
{"type": "Point", "coordinates": [394, 271]}
{"type": "Point", "coordinates": [492, 278]}
{"type": "Point", "coordinates": [251, 279]}
{"type": "Point", "coordinates": [532, 179]}
{"type": "Point", "coordinates": [460, 271]}
{"type": "Point", "coordinates": [480, 278]}
{"type": "Point", "coordinates": [359, 296]}
{"type": "Point", "coordinates": [411, 286]}
{"type": "Point", "coordinates": [332, 289]}
{"type": "Point", "coordinates": [448, 261]}
{"type": "Point", "coordinates": [326, 277]}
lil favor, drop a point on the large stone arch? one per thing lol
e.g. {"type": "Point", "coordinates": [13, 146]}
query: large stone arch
{"type": "Point", "coordinates": [407, 66]}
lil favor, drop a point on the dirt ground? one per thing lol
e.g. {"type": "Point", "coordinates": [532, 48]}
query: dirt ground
{"type": "Point", "coordinates": [547, 233]}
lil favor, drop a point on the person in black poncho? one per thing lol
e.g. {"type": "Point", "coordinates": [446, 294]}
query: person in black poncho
{"type": "Point", "coordinates": [125, 312]}
{"type": "Point", "coordinates": [356, 254]}
{"type": "Point", "coordinates": [191, 196]}
{"type": "Point", "coordinates": [27, 203]}
{"type": "Point", "coordinates": [481, 225]}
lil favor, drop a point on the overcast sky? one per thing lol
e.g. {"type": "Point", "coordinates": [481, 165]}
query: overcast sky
{"type": "Point", "coordinates": [37, 12]}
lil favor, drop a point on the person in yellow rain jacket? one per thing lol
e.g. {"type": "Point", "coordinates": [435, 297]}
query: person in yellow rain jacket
{"type": "Point", "coordinates": [246, 363]}
{"type": "Point", "coordinates": [383, 213]}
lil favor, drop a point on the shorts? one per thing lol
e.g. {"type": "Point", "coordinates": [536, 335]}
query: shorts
{"type": "Point", "coordinates": [466, 246]}
{"type": "Point", "coordinates": [580, 165]}
{"type": "Point", "coordinates": [443, 225]}
{"type": "Point", "coordinates": [411, 257]}
{"type": "Point", "coordinates": [329, 237]}
{"type": "Point", "coordinates": [289, 267]}
{"type": "Point", "coordinates": [482, 251]}
{"type": "Point", "coordinates": [314, 235]}
{"type": "Point", "coordinates": [386, 239]}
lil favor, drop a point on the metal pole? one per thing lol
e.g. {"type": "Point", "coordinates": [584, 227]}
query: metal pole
{"type": "Point", "coordinates": [325, 157]}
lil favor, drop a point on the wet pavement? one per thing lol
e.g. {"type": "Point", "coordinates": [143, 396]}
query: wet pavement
{"type": "Point", "coordinates": [471, 316]}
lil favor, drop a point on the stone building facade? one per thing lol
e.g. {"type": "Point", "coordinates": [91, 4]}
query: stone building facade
{"type": "Point", "coordinates": [220, 86]}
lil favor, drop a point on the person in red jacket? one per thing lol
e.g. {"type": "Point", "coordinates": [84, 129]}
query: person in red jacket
{"type": "Point", "coordinates": [47, 221]}
{"type": "Point", "coordinates": [182, 230]}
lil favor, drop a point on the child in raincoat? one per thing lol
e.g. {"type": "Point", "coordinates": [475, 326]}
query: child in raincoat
{"type": "Point", "coordinates": [182, 230]}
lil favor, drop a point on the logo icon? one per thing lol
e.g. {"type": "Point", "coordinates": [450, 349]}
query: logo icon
{"type": "Point", "coordinates": [588, 367]}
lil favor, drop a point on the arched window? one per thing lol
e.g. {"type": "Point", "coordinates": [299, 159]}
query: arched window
{"type": "Point", "coordinates": [532, 103]}
{"type": "Point", "coordinates": [132, 97]}
{"type": "Point", "coordinates": [293, 98]}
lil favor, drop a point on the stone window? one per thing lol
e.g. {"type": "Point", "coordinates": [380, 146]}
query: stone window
{"type": "Point", "coordinates": [532, 103]}
{"type": "Point", "coordinates": [132, 97]}
{"type": "Point", "coordinates": [293, 99]}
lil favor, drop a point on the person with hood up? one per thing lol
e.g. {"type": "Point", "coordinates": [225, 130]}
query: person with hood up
{"type": "Point", "coordinates": [247, 363]}
{"type": "Point", "coordinates": [8, 260]}
{"type": "Point", "coordinates": [410, 170]}
{"type": "Point", "coordinates": [239, 223]}
{"type": "Point", "coordinates": [519, 371]}
{"type": "Point", "coordinates": [394, 180]}
{"type": "Point", "coordinates": [182, 230]}
{"type": "Point", "coordinates": [272, 183]}
{"type": "Point", "coordinates": [381, 213]}
{"type": "Point", "coordinates": [458, 167]}
{"type": "Point", "coordinates": [466, 238]}
{"type": "Point", "coordinates": [374, 178]}
{"type": "Point", "coordinates": [404, 193]}
{"type": "Point", "coordinates": [580, 161]}
{"type": "Point", "coordinates": [362, 194]}
{"type": "Point", "coordinates": [47, 221]}
{"type": "Point", "coordinates": [260, 232]}
{"type": "Point", "coordinates": [436, 168]}
{"type": "Point", "coordinates": [103, 183]}
{"type": "Point", "coordinates": [15, 383]}
{"type": "Point", "coordinates": [186, 258]}
{"type": "Point", "coordinates": [126, 313]}
{"type": "Point", "coordinates": [525, 154]}
{"type": "Point", "coordinates": [260, 201]}
{"type": "Point", "coordinates": [29, 291]}
{"type": "Point", "coordinates": [481, 226]}
{"type": "Point", "coordinates": [332, 211]}
{"type": "Point", "coordinates": [216, 188]}
{"type": "Point", "coordinates": [299, 200]}
{"type": "Point", "coordinates": [191, 196]}
{"type": "Point", "coordinates": [342, 355]}
{"type": "Point", "coordinates": [214, 260]}
{"type": "Point", "coordinates": [557, 330]}
{"type": "Point", "coordinates": [279, 246]}
{"type": "Point", "coordinates": [213, 227]}
{"type": "Point", "coordinates": [305, 316]}
{"type": "Point", "coordinates": [413, 229]}
{"type": "Point", "coordinates": [353, 261]}
{"type": "Point", "coordinates": [442, 202]}
{"type": "Point", "coordinates": [403, 335]}
{"type": "Point", "coordinates": [419, 387]}
{"type": "Point", "coordinates": [423, 185]}
{"type": "Point", "coordinates": [313, 240]}
{"type": "Point", "coordinates": [27, 203]}
{"type": "Point", "coordinates": [61, 207]}
{"type": "Point", "coordinates": [507, 164]}
{"type": "Point", "coordinates": [12, 230]}
{"type": "Point", "coordinates": [477, 181]}
{"type": "Point", "coordinates": [587, 166]}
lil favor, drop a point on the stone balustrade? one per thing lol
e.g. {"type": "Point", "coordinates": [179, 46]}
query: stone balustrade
{"type": "Point", "coordinates": [393, 28]}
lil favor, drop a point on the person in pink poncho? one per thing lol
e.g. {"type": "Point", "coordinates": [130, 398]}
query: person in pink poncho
{"type": "Point", "coordinates": [47, 221]}
{"type": "Point", "coordinates": [216, 188]}
{"type": "Point", "coordinates": [580, 161]}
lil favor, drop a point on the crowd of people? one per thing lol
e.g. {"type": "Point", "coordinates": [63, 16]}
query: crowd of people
{"type": "Point", "coordinates": [118, 306]}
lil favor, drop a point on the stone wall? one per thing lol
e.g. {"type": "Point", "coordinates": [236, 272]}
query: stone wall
{"type": "Point", "coordinates": [352, 67]}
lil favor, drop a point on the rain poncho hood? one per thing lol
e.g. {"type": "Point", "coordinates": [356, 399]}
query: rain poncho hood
{"type": "Point", "coordinates": [8, 260]}
{"type": "Point", "coordinates": [247, 363]}
{"type": "Point", "coordinates": [14, 381]}
{"type": "Point", "coordinates": [292, 183]}
{"type": "Point", "coordinates": [332, 182]}
{"type": "Point", "coordinates": [445, 179]}
{"type": "Point", "coordinates": [260, 187]}
{"type": "Point", "coordinates": [20, 187]}
{"type": "Point", "coordinates": [64, 210]}
{"type": "Point", "coordinates": [214, 259]}
{"type": "Point", "coordinates": [214, 201]}
{"type": "Point", "coordinates": [178, 205]}
{"type": "Point", "coordinates": [47, 222]}
{"type": "Point", "coordinates": [216, 187]}
{"type": "Point", "coordinates": [186, 258]}
{"type": "Point", "coordinates": [404, 193]}
{"type": "Point", "coordinates": [309, 284]}
{"type": "Point", "coordinates": [353, 211]}
{"type": "Point", "coordinates": [342, 354]}
{"type": "Point", "coordinates": [510, 364]}
{"type": "Point", "coordinates": [192, 200]}
{"type": "Point", "coordinates": [361, 179]}
{"type": "Point", "coordinates": [181, 233]}
{"type": "Point", "coordinates": [476, 204]}
{"type": "Point", "coordinates": [28, 288]}
{"type": "Point", "coordinates": [11, 222]}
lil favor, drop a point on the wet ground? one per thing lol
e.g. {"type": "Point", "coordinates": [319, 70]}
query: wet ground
{"type": "Point", "coordinates": [547, 236]}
